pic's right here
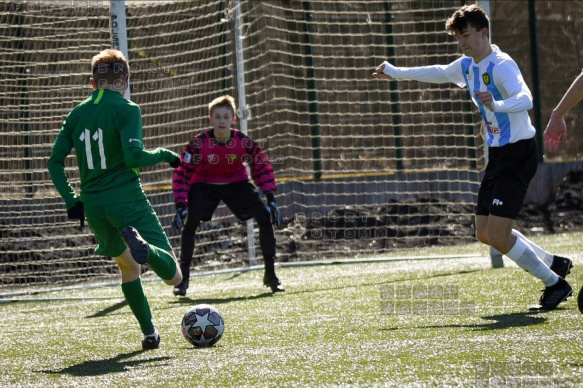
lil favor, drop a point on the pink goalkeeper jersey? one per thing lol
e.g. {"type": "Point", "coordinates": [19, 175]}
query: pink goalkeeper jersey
{"type": "Point", "coordinates": [205, 160]}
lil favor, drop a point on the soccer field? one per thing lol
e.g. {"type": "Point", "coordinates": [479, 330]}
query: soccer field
{"type": "Point", "coordinates": [452, 322]}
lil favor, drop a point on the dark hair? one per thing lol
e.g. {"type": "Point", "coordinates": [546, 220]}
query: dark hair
{"type": "Point", "coordinates": [467, 15]}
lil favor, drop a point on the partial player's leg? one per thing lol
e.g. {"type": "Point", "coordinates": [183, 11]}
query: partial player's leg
{"type": "Point", "coordinates": [203, 199]}
{"type": "Point", "coordinates": [558, 264]}
{"type": "Point", "coordinates": [143, 234]}
{"type": "Point", "coordinates": [110, 244]}
{"type": "Point", "coordinates": [500, 199]}
{"type": "Point", "coordinates": [244, 201]}
{"type": "Point", "coordinates": [556, 288]}
{"type": "Point", "coordinates": [133, 291]}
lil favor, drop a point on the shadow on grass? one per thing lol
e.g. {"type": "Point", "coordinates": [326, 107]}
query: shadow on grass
{"type": "Point", "coordinates": [380, 283]}
{"type": "Point", "coordinates": [498, 322]}
{"type": "Point", "coordinates": [116, 364]}
{"type": "Point", "coordinates": [108, 310]}
{"type": "Point", "coordinates": [506, 321]}
{"type": "Point", "coordinates": [190, 301]}
{"type": "Point", "coordinates": [182, 301]}
{"type": "Point", "coordinates": [193, 301]}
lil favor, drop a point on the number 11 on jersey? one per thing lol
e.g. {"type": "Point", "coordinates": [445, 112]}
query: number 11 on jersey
{"type": "Point", "coordinates": [86, 138]}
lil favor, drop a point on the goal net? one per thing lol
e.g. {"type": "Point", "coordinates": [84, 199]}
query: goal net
{"type": "Point", "coordinates": [363, 166]}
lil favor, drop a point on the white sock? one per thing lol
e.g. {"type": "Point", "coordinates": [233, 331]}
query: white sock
{"type": "Point", "coordinates": [495, 252]}
{"type": "Point", "coordinates": [545, 256]}
{"type": "Point", "coordinates": [523, 255]}
{"type": "Point", "coordinates": [154, 334]}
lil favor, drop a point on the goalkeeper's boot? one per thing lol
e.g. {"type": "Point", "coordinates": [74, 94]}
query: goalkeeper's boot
{"type": "Point", "coordinates": [561, 266]}
{"type": "Point", "coordinates": [180, 289]}
{"type": "Point", "coordinates": [138, 246]}
{"type": "Point", "coordinates": [269, 278]}
{"type": "Point", "coordinates": [553, 295]}
{"type": "Point", "coordinates": [151, 342]}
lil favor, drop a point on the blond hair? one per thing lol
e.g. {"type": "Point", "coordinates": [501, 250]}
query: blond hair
{"type": "Point", "coordinates": [109, 66]}
{"type": "Point", "coordinates": [225, 101]}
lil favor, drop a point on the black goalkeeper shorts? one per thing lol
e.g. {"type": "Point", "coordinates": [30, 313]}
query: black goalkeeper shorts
{"type": "Point", "coordinates": [242, 198]}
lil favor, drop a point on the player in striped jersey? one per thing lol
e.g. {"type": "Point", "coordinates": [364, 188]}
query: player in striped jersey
{"type": "Point", "coordinates": [498, 89]}
{"type": "Point", "coordinates": [214, 169]}
{"type": "Point", "coordinates": [106, 132]}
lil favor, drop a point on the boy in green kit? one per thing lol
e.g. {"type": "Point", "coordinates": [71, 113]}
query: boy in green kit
{"type": "Point", "coordinates": [106, 132]}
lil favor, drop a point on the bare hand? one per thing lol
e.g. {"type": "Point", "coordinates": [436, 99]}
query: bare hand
{"type": "Point", "coordinates": [485, 97]}
{"type": "Point", "coordinates": [379, 72]}
{"type": "Point", "coordinates": [555, 132]}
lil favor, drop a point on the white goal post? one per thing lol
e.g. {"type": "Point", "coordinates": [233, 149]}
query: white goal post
{"type": "Point", "coordinates": [119, 37]}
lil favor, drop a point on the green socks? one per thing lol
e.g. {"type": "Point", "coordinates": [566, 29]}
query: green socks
{"type": "Point", "coordinates": [134, 294]}
{"type": "Point", "coordinates": [162, 263]}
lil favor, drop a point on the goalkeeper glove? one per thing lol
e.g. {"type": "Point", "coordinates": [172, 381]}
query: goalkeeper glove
{"type": "Point", "coordinates": [176, 162]}
{"type": "Point", "coordinates": [77, 212]}
{"type": "Point", "coordinates": [179, 217]}
{"type": "Point", "coordinates": [273, 210]}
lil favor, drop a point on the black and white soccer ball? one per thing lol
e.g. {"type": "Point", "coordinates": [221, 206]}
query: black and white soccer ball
{"type": "Point", "coordinates": [203, 325]}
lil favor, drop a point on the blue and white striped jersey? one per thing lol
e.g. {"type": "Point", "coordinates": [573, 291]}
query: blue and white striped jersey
{"type": "Point", "coordinates": [506, 120]}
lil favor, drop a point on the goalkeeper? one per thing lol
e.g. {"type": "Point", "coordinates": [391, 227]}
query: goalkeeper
{"type": "Point", "coordinates": [213, 169]}
{"type": "Point", "coordinates": [106, 132]}
{"type": "Point", "coordinates": [498, 89]}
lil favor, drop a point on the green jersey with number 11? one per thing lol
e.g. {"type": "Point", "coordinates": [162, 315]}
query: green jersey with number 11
{"type": "Point", "coordinates": [102, 129]}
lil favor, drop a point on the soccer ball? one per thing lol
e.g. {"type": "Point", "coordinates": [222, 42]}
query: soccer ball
{"type": "Point", "coordinates": [203, 325]}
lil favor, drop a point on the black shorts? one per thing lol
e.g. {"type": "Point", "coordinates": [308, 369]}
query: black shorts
{"type": "Point", "coordinates": [242, 198]}
{"type": "Point", "coordinates": [508, 173]}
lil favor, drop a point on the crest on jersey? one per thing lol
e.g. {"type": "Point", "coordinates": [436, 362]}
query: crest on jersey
{"type": "Point", "coordinates": [486, 78]}
{"type": "Point", "coordinates": [187, 157]}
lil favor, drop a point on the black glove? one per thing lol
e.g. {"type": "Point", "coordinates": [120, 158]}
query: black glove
{"type": "Point", "coordinates": [179, 217]}
{"type": "Point", "coordinates": [77, 212]}
{"type": "Point", "coordinates": [272, 206]}
{"type": "Point", "coordinates": [176, 162]}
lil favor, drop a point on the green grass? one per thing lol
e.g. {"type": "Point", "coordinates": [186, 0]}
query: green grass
{"type": "Point", "coordinates": [328, 329]}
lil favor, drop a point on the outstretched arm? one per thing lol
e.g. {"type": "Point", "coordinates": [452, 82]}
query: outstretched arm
{"type": "Point", "coordinates": [557, 128]}
{"type": "Point", "coordinates": [379, 71]}
{"type": "Point", "coordinates": [138, 157]}
{"type": "Point", "coordinates": [134, 153]}
{"type": "Point", "coordinates": [433, 74]}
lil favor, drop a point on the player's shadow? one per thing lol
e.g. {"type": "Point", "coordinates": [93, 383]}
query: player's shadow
{"type": "Point", "coordinates": [498, 322]}
{"type": "Point", "coordinates": [109, 310]}
{"type": "Point", "coordinates": [383, 282]}
{"type": "Point", "coordinates": [213, 301]}
{"type": "Point", "coordinates": [119, 363]}
{"type": "Point", "coordinates": [505, 321]}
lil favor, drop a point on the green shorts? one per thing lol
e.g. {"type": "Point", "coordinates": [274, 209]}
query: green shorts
{"type": "Point", "coordinates": [106, 222]}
